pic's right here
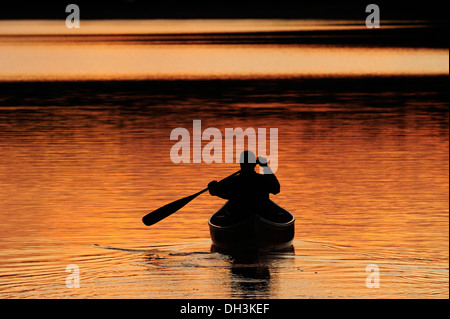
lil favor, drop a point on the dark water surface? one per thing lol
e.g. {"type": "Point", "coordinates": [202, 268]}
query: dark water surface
{"type": "Point", "coordinates": [362, 162]}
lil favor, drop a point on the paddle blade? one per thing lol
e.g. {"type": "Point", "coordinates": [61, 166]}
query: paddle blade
{"type": "Point", "coordinates": [167, 210]}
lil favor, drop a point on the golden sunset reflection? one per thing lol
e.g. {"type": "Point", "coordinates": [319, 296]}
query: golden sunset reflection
{"type": "Point", "coordinates": [116, 55]}
{"type": "Point", "coordinates": [167, 26]}
{"type": "Point", "coordinates": [199, 62]}
{"type": "Point", "coordinates": [85, 123]}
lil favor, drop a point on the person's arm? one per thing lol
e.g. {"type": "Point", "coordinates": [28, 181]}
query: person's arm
{"type": "Point", "coordinates": [271, 181]}
{"type": "Point", "coordinates": [221, 189]}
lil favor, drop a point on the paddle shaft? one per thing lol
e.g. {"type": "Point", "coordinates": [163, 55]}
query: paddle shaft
{"type": "Point", "coordinates": [169, 209]}
{"type": "Point", "coordinates": [202, 191]}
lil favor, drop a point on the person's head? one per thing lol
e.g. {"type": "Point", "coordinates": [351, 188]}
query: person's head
{"type": "Point", "coordinates": [247, 161]}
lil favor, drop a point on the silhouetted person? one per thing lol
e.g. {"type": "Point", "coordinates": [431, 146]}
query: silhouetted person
{"type": "Point", "coordinates": [249, 191]}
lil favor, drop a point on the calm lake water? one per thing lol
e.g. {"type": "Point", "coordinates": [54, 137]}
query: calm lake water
{"type": "Point", "coordinates": [362, 162]}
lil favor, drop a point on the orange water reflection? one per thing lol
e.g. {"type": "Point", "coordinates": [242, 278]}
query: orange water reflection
{"type": "Point", "coordinates": [187, 49]}
{"type": "Point", "coordinates": [162, 26]}
{"type": "Point", "coordinates": [109, 62]}
{"type": "Point", "coordinates": [367, 183]}
{"type": "Point", "coordinates": [365, 171]}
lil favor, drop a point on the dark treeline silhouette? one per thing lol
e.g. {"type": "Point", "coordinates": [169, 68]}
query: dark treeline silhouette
{"type": "Point", "coordinates": [144, 9]}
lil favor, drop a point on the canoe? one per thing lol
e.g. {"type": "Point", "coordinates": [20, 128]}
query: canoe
{"type": "Point", "coordinates": [274, 231]}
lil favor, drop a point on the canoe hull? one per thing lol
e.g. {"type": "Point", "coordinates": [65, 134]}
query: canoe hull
{"type": "Point", "coordinates": [254, 232]}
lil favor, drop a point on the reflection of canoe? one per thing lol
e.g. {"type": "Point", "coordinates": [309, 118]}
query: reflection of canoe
{"type": "Point", "coordinates": [275, 231]}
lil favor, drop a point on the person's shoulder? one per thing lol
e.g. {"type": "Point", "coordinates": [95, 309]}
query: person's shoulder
{"type": "Point", "coordinates": [259, 176]}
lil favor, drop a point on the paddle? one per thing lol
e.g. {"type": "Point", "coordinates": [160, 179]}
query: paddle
{"type": "Point", "coordinates": [169, 209]}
